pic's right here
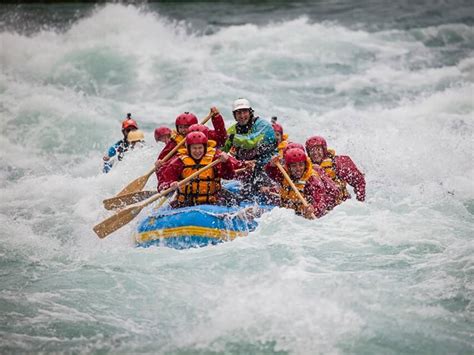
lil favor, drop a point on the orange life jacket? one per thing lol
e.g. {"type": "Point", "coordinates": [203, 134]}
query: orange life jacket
{"type": "Point", "coordinates": [281, 147]}
{"type": "Point", "coordinates": [289, 198]}
{"type": "Point", "coordinates": [177, 137]}
{"type": "Point", "coordinates": [203, 188]}
{"type": "Point", "coordinates": [329, 166]}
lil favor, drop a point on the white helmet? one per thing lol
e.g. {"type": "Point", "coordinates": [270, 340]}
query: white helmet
{"type": "Point", "coordinates": [241, 104]}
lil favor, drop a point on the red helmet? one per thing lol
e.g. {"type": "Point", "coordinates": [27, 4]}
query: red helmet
{"type": "Point", "coordinates": [186, 119]}
{"type": "Point", "coordinates": [294, 145]}
{"type": "Point", "coordinates": [129, 123]}
{"type": "Point", "coordinates": [161, 131]}
{"type": "Point", "coordinates": [316, 141]}
{"type": "Point", "coordinates": [199, 128]}
{"type": "Point", "coordinates": [277, 128]}
{"type": "Point", "coordinates": [196, 138]}
{"type": "Point", "coordinates": [294, 155]}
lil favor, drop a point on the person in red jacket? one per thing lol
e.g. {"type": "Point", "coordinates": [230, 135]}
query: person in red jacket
{"type": "Point", "coordinates": [340, 168]}
{"type": "Point", "coordinates": [206, 188]}
{"type": "Point", "coordinates": [272, 192]}
{"type": "Point", "coordinates": [300, 169]}
{"type": "Point", "coordinates": [294, 145]}
{"type": "Point", "coordinates": [218, 135]}
{"type": "Point", "coordinates": [183, 122]}
{"type": "Point", "coordinates": [332, 190]}
{"type": "Point", "coordinates": [162, 134]}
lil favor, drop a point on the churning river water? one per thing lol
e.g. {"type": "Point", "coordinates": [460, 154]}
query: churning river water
{"type": "Point", "coordinates": [388, 83]}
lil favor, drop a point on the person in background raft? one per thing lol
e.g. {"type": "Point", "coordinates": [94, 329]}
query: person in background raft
{"type": "Point", "coordinates": [118, 149]}
{"type": "Point", "coordinates": [206, 188]}
{"type": "Point", "coordinates": [340, 168]}
{"type": "Point", "coordinates": [136, 138]}
{"type": "Point", "coordinates": [162, 134]}
{"type": "Point", "coordinates": [307, 181]}
{"type": "Point", "coordinates": [252, 141]}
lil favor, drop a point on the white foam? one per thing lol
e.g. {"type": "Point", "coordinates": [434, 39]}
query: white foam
{"type": "Point", "coordinates": [383, 98]}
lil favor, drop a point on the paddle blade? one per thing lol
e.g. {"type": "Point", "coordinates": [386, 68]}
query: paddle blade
{"type": "Point", "coordinates": [116, 221]}
{"type": "Point", "coordinates": [128, 199]}
{"type": "Point", "coordinates": [136, 185]}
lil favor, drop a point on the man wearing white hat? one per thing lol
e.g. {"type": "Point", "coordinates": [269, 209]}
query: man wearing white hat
{"type": "Point", "coordinates": [252, 141]}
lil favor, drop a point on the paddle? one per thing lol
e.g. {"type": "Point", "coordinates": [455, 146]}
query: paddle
{"type": "Point", "coordinates": [288, 179]}
{"type": "Point", "coordinates": [125, 200]}
{"type": "Point", "coordinates": [139, 183]}
{"type": "Point", "coordinates": [124, 216]}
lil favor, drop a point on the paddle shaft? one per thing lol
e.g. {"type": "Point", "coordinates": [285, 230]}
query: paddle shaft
{"type": "Point", "coordinates": [127, 199]}
{"type": "Point", "coordinates": [288, 179]}
{"type": "Point", "coordinates": [180, 144]}
{"type": "Point", "coordinates": [181, 183]}
{"type": "Point", "coordinates": [137, 184]}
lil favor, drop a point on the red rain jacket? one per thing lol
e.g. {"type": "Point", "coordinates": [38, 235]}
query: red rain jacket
{"type": "Point", "coordinates": [219, 133]}
{"type": "Point", "coordinates": [331, 189]}
{"type": "Point", "coordinates": [314, 191]}
{"type": "Point", "coordinates": [347, 171]}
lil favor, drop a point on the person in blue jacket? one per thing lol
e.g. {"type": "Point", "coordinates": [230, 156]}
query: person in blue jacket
{"type": "Point", "coordinates": [118, 149]}
{"type": "Point", "coordinates": [251, 140]}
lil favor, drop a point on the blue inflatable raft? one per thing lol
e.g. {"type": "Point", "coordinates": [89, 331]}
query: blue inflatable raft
{"type": "Point", "coordinates": [197, 226]}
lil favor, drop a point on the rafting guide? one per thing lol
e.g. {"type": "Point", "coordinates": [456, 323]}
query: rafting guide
{"type": "Point", "coordinates": [251, 140]}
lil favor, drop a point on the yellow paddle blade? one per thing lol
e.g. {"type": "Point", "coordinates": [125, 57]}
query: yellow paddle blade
{"type": "Point", "coordinates": [124, 216]}
{"type": "Point", "coordinates": [136, 185]}
{"type": "Point", "coordinates": [128, 199]}
{"type": "Point", "coordinates": [121, 218]}
{"type": "Point", "coordinates": [116, 221]}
